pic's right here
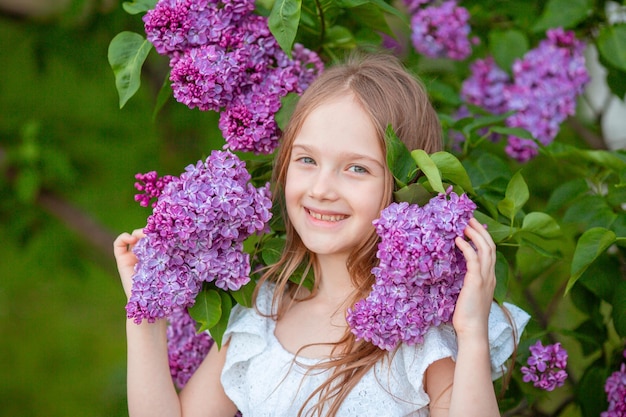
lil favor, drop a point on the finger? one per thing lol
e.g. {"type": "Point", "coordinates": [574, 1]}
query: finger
{"type": "Point", "coordinates": [120, 244]}
{"type": "Point", "coordinates": [481, 231]}
{"type": "Point", "coordinates": [139, 233]}
{"type": "Point", "coordinates": [482, 242]}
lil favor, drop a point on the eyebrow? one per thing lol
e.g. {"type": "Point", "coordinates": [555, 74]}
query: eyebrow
{"type": "Point", "coordinates": [345, 155]}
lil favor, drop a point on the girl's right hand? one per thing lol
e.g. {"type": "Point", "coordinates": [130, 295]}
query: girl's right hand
{"type": "Point", "coordinates": [125, 258]}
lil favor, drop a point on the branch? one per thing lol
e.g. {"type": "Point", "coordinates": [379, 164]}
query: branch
{"type": "Point", "coordinates": [80, 222]}
{"type": "Point", "coordinates": [594, 140]}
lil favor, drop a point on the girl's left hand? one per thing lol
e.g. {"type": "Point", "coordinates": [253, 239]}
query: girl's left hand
{"type": "Point", "coordinates": [471, 314]}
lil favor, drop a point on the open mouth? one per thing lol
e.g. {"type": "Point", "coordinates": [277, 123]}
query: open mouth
{"type": "Point", "coordinates": [327, 217]}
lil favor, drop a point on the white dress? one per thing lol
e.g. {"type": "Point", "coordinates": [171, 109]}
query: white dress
{"type": "Point", "coordinates": [263, 380]}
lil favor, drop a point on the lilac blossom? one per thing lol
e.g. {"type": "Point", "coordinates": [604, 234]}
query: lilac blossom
{"type": "Point", "coordinates": [195, 235]}
{"type": "Point", "coordinates": [485, 86]}
{"type": "Point", "coordinates": [420, 271]}
{"type": "Point", "coordinates": [186, 348]}
{"type": "Point", "coordinates": [224, 58]}
{"type": "Point", "coordinates": [615, 388]}
{"type": "Point", "coordinates": [151, 186]}
{"type": "Point", "coordinates": [442, 31]}
{"type": "Point", "coordinates": [546, 366]}
{"type": "Point", "coordinates": [178, 25]}
{"type": "Point", "coordinates": [541, 93]}
{"type": "Point", "coordinates": [546, 83]}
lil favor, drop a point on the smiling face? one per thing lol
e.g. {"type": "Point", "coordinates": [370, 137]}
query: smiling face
{"type": "Point", "coordinates": [336, 176]}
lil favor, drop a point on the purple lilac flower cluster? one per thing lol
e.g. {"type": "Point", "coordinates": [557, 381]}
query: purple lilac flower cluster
{"type": "Point", "coordinates": [150, 186]}
{"type": "Point", "coordinates": [224, 58]}
{"type": "Point", "coordinates": [615, 388]}
{"type": "Point", "coordinates": [542, 92]}
{"type": "Point", "coordinates": [546, 366]}
{"type": "Point", "coordinates": [195, 234]}
{"type": "Point", "coordinates": [186, 348]}
{"type": "Point", "coordinates": [485, 87]}
{"type": "Point", "coordinates": [439, 31]}
{"type": "Point", "coordinates": [420, 271]}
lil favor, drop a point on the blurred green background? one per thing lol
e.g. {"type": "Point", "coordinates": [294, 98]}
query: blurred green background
{"type": "Point", "coordinates": [69, 156]}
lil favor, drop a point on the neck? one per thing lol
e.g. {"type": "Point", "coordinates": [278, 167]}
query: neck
{"type": "Point", "coordinates": [334, 280]}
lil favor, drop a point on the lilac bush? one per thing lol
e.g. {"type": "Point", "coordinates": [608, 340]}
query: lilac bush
{"type": "Point", "coordinates": [546, 366]}
{"type": "Point", "coordinates": [615, 388]}
{"type": "Point", "coordinates": [542, 91]}
{"type": "Point", "coordinates": [195, 234]}
{"type": "Point", "coordinates": [439, 31]}
{"type": "Point", "coordinates": [420, 271]}
{"type": "Point", "coordinates": [224, 58]}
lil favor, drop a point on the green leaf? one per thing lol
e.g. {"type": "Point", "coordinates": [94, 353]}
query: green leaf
{"type": "Point", "coordinates": [566, 193]}
{"type": "Point", "coordinates": [601, 277]}
{"type": "Point", "coordinates": [498, 231]}
{"type": "Point", "coordinates": [428, 167]}
{"type": "Point", "coordinates": [506, 46]}
{"type": "Point", "coordinates": [616, 80]}
{"type": "Point", "coordinates": [515, 196]}
{"type": "Point", "coordinates": [207, 309]}
{"type": "Point", "coordinates": [339, 37]}
{"type": "Point", "coordinates": [165, 92]}
{"type": "Point", "coordinates": [287, 106]}
{"type": "Point", "coordinates": [542, 225]}
{"type": "Point", "coordinates": [379, 3]}
{"type": "Point", "coordinates": [127, 53]}
{"type": "Point", "coordinates": [502, 278]}
{"type": "Point", "coordinates": [590, 337]}
{"type": "Point", "coordinates": [512, 131]}
{"type": "Point", "coordinates": [590, 391]}
{"type": "Point", "coordinates": [272, 250]}
{"type": "Point", "coordinates": [590, 211]}
{"type": "Point", "coordinates": [545, 249]}
{"type": "Point", "coordinates": [443, 92]}
{"type": "Point", "coordinates": [399, 159]}
{"type": "Point", "coordinates": [283, 22]}
{"type": "Point", "coordinates": [563, 13]}
{"type": "Point", "coordinates": [619, 308]}
{"type": "Point", "coordinates": [612, 45]}
{"type": "Point", "coordinates": [413, 194]}
{"type": "Point", "coordinates": [138, 6]}
{"type": "Point", "coordinates": [486, 169]}
{"type": "Point", "coordinates": [243, 295]}
{"type": "Point", "coordinates": [452, 170]}
{"type": "Point", "coordinates": [590, 245]}
{"type": "Point", "coordinates": [217, 331]}
{"type": "Point", "coordinates": [484, 121]}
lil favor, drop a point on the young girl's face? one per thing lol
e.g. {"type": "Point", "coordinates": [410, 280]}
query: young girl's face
{"type": "Point", "coordinates": [335, 178]}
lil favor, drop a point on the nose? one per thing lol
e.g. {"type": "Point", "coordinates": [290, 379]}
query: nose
{"type": "Point", "coordinates": [324, 185]}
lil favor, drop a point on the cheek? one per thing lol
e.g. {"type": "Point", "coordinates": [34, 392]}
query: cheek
{"type": "Point", "coordinates": [291, 190]}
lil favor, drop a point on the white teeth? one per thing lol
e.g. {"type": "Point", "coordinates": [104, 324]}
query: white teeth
{"type": "Point", "coordinates": [326, 217]}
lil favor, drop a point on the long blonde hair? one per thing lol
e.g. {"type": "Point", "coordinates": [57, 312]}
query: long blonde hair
{"type": "Point", "coordinates": [390, 96]}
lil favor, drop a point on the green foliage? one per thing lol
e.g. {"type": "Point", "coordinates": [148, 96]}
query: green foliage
{"type": "Point", "coordinates": [127, 53]}
{"type": "Point", "coordinates": [284, 21]}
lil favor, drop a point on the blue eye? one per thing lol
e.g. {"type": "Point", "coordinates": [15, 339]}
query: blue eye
{"type": "Point", "coordinates": [358, 169]}
{"type": "Point", "coordinates": [306, 160]}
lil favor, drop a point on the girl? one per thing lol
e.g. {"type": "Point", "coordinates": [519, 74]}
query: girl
{"type": "Point", "coordinates": [294, 354]}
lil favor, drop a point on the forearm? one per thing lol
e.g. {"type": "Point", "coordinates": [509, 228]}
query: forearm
{"type": "Point", "coordinates": [472, 393]}
{"type": "Point", "coordinates": [151, 391]}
